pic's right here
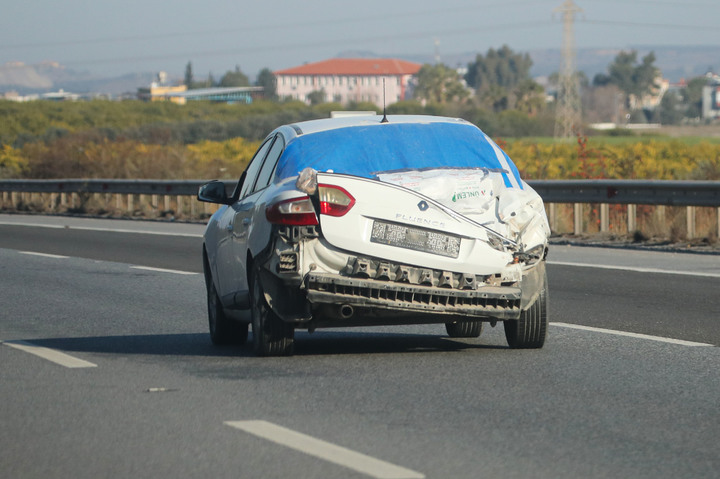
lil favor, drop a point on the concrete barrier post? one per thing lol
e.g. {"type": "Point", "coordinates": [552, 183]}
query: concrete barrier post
{"type": "Point", "coordinates": [578, 218]}
{"type": "Point", "coordinates": [631, 218]}
{"type": "Point", "coordinates": [604, 217]}
{"type": "Point", "coordinates": [552, 216]}
{"type": "Point", "coordinates": [690, 220]}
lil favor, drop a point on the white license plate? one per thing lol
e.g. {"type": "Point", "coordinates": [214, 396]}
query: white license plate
{"type": "Point", "coordinates": [418, 239]}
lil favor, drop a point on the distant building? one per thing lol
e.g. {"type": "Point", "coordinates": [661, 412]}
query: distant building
{"type": "Point", "coordinates": [711, 97]}
{"type": "Point", "coordinates": [60, 95]}
{"type": "Point", "coordinates": [653, 98]}
{"type": "Point", "coordinates": [160, 92]}
{"type": "Point", "coordinates": [240, 94]}
{"type": "Point", "coordinates": [180, 94]}
{"type": "Point", "coordinates": [345, 80]}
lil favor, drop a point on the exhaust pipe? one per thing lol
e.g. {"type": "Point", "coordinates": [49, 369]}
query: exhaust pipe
{"type": "Point", "coordinates": [346, 311]}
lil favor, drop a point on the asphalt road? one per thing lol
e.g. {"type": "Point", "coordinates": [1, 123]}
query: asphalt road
{"type": "Point", "coordinates": [130, 386]}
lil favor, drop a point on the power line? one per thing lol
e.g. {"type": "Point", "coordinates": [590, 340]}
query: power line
{"type": "Point", "coordinates": [319, 43]}
{"type": "Point", "coordinates": [269, 27]}
{"type": "Point", "coordinates": [651, 25]}
{"type": "Point", "coordinates": [655, 3]}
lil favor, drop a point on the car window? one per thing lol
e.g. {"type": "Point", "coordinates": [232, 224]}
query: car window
{"type": "Point", "coordinates": [253, 168]}
{"type": "Point", "coordinates": [263, 178]}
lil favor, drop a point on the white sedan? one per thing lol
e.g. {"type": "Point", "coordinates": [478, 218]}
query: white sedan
{"type": "Point", "coordinates": [373, 220]}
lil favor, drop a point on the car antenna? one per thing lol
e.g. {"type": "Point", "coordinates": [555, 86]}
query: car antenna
{"type": "Point", "coordinates": [384, 118]}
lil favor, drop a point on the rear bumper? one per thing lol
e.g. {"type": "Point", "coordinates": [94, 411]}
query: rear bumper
{"type": "Point", "coordinates": [374, 297]}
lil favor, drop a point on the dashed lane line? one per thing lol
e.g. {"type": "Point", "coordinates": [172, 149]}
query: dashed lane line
{"type": "Point", "coordinates": [50, 354]}
{"type": "Point", "coordinates": [145, 268]}
{"type": "Point", "coordinates": [44, 255]}
{"type": "Point", "coordinates": [163, 270]}
{"type": "Point", "coordinates": [661, 339]}
{"type": "Point", "coordinates": [109, 230]}
{"type": "Point", "coordinates": [326, 451]}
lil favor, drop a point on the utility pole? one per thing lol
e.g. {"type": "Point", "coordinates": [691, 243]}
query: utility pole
{"type": "Point", "coordinates": [568, 117]}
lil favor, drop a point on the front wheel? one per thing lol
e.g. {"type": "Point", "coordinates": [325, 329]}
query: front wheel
{"type": "Point", "coordinates": [223, 330]}
{"type": "Point", "coordinates": [271, 335]}
{"type": "Point", "coordinates": [530, 331]}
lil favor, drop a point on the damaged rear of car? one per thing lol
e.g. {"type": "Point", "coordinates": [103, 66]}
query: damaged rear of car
{"type": "Point", "coordinates": [363, 221]}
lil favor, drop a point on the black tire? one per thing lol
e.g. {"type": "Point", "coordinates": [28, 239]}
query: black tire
{"type": "Point", "coordinates": [464, 329]}
{"type": "Point", "coordinates": [223, 330]}
{"type": "Point", "coordinates": [271, 335]}
{"type": "Point", "coordinates": [530, 331]}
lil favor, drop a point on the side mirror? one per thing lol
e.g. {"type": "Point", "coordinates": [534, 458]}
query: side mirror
{"type": "Point", "coordinates": [213, 192]}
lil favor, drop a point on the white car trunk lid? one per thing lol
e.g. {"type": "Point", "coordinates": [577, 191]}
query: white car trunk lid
{"type": "Point", "coordinates": [398, 224]}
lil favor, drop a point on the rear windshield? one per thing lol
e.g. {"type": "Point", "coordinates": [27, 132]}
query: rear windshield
{"type": "Point", "coordinates": [371, 150]}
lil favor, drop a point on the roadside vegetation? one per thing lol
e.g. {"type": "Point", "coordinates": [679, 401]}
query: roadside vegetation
{"type": "Point", "coordinates": [202, 140]}
{"type": "Point", "coordinates": [103, 139]}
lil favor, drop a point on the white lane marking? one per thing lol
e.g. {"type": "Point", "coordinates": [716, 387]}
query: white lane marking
{"type": "Point", "coordinates": [324, 450]}
{"type": "Point", "coordinates": [44, 255]}
{"type": "Point", "coordinates": [50, 354]}
{"type": "Point", "coordinates": [162, 270]}
{"type": "Point", "coordinates": [110, 230]}
{"type": "Point", "coordinates": [631, 335]}
{"type": "Point", "coordinates": [637, 269]}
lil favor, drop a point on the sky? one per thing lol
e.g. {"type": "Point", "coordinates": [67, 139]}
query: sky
{"type": "Point", "coordinates": [114, 37]}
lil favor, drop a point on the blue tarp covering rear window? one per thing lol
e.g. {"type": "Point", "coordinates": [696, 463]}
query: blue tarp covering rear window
{"type": "Point", "coordinates": [371, 149]}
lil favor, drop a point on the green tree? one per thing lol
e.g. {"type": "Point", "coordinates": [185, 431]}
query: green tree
{"type": "Point", "coordinates": [267, 80]}
{"type": "Point", "coordinates": [317, 97]}
{"type": "Point", "coordinates": [234, 78]}
{"type": "Point", "coordinates": [496, 98]}
{"type": "Point", "coordinates": [633, 79]}
{"type": "Point", "coordinates": [502, 67]}
{"type": "Point", "coordinates": [208, 83]}
{"type": "Point", "coordinates": [671, 109]}
{"type": "Point", "coordinates": [692, 96]}
{"type": "Point", "coordinates": [529, 97]}
{"type": "Point", "coordinates": [439, 84]}
{"type": "Point", "coordinates": [189, 80]}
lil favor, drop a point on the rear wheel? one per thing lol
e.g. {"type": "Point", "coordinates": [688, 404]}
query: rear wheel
{"type": "Point", "coordinates": [530, 331]}
{"type": "Point", "coordinates": [464, 329]}
{"type": "Point", "coordinates": [223, 330]}
{"type": "Point", "coordinates": [271, 335]}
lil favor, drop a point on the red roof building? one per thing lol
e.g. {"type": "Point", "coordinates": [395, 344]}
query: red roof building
{"type": "Point", "coordinates": [345, 80]}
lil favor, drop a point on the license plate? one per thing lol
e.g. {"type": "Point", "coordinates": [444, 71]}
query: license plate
{"type": "Point", "coordinates": [418, 239]}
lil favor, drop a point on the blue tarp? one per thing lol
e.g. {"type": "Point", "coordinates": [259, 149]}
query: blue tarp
{"type": "Point", "coordinates": [368, 150]}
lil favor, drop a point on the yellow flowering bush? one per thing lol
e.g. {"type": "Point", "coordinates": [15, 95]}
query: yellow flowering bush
{"type": "Point", "coordinates": [226, 159]}
{"type": "Point", "coordinates": [585, 159]}
{"type": "Point", "coordinates": [74, 156]}
{"type": "Point", "coordinates": [12, 163]}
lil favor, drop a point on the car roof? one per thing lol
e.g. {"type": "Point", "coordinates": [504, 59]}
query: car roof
{"type": "Point", "coordinates": [325, 124]}
{"type": "Point", "coordinates": [367, 146]}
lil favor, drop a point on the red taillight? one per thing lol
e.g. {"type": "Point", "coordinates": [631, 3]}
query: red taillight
{"type": "Point", "coordinates": [334, 201]}
{"type": "Point", "coordinates": [293, 212]}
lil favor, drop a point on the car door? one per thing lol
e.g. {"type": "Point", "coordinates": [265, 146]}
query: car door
{"type": "Point", "coordinates": [250, 222]}
{"type": "Point", "coordinates": [231, 279]}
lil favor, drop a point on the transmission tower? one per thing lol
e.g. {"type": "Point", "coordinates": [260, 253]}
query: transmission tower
{"type": "Point", "coordinates": [568, 117]}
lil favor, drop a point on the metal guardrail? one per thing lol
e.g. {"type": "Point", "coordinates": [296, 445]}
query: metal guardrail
{"type": "Point", "coordinates": [68, 193]}
{"type": "Point", "coordinates": [638, 192]}
{"type": "Point", "coordinates": [122, 187]}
